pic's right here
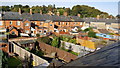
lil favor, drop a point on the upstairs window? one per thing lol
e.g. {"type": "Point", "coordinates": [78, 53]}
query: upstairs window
{"type": "Point", "coordinates": [66, 23]}
{"type": "Point", "coordinates": [26, 24]}
{"type": "Point", "coordinates": [41, 23]}
{"type": "Point", "coordinates": [26, 31]}
{"type": "Point", "coordinates": [18, 23]}
{"type": "Point", "coordinates": [1, 23]}
{"type": "Point", "coordinates": [50, 24]}
{"type": "Point", "coordinates": [58, 23]}
{"type": "Point", "coordinates": [10, 22]}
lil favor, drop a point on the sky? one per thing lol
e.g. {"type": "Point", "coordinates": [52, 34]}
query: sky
{"type": "Point", "coordinates": [109, 6]}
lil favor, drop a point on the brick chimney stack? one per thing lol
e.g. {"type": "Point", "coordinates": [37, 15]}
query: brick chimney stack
{"type": "Point", "coordinates": [78, 15]}
{"type": "Point", "coordinates": [19, 11]}
{"type": "Point", "coordinates": [65, 13]}
{"type": "Point", "coordinates": [50, 13]}
{"type": "Point", "coordinates": [30, 11]}
{"type": "Point", "coordinates": [98, 16]}
{"type": "Point", "coordinates": [40, 11]}
{"type": "Point", "coordinates": [58, 13]}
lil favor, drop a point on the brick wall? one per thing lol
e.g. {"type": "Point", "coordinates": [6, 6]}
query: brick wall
{"type": "Point", "coordinates": [66, 56]}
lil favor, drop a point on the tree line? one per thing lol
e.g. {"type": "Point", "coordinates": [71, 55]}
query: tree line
{"type": "Point", "coordinates": [83, 10]}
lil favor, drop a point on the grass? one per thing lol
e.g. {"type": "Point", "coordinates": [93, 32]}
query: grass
{"type": "Point", "coordinates": [69, 51]}
{"type": "Point", "coordinates": [13, 62]}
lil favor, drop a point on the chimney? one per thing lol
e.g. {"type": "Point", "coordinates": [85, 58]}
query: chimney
{"type": "Point", "coordinates": [19, 11]}
{"type": "Point", "coordinates": [40, 11]}
{"type": "Point", "coordinates": [49, 13]}
{"type": "Point", "coordinates": [58, 13]}
{"type": "Point", "coordinates": [98, 16]}
{"type": "Point", "coordinates": [78, 15]}
{"type": "Point", "coordinates": [30, 11]}
{"type": "Point", "coordinates": [65, 13]}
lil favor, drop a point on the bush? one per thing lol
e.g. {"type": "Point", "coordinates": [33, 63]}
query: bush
{"type": "Point", "coordinates": [38, 35]}
{"type": "Point", "coordinates": [91, 34]}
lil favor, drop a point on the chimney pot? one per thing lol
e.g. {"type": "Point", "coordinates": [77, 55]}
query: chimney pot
{"type": "Point", "coordinates": [58, 13]}
{"type": "Point", "coordinates": [40, 11]}
{"type": "Point", "coordinates": [98, 16]}
{"type": "Point", "coordinates": [78, 15]}
{"type": "Point", "coordinates": [30, 11]}
{"type": "Point", "coordinates": [65, 14]}
{"type": "Point", "coordinates": [19, 11]}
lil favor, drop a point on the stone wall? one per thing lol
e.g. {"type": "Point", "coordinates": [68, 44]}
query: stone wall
{"type": "Point", "coordinates": [23, 53]}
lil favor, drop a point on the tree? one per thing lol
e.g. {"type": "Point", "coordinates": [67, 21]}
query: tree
{"type": "Point", "coordinates": [56, 42]}
{"type": "Point", "coordinates": [5, 8]}
{"type": "Point", "coordinates": [91, 34]}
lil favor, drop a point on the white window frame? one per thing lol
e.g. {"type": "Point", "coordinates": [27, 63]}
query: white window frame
{"type": "Point", "coordinates": [1, 23]}
{"type": "Point", "coordinates": [26, 31]}
{"type": "Point", "coordinates": [18, 23]}
{"type": "Point", "coordinates": [10, 22]}
{"type": "Point", "coordinates": [26, 24]}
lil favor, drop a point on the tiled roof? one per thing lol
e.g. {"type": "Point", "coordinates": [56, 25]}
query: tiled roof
{"type": "Point", "coordinates": [107, 56]}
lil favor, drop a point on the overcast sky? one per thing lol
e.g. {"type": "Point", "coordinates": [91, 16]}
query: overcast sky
{"type": "Point", "coordinates": [110, 6]}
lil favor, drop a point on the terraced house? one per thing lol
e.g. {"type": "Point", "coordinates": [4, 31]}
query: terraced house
{"type": "Point", "coordinates": [38, 23]}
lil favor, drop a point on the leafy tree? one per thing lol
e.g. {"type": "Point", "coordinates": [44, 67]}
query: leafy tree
{"type": "Point", "coordinates": [56, 42]}
{"type": "Point", "coordinates": [91, 34]}
{"type": "Point", "coordinates": [72, 41]}
{"type": "Point", "coordinates": [5, 8]}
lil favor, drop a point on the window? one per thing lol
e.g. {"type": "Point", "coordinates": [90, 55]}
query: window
{"type": "Point", "coordinates": [26, 24]}
{"type": "Point", "coordinates": [40, 31]}
{"type": "Point", "coordinates": [50, 24]}
{"type": "Point", "coordinates": [18, 23]}
{"type": "Point", "coordinates": [41, 23]}
{"type": "Point", "coordinates": [63, 22]}
{"type": "Point", "coordinates": [58, 23]}
{"type": "Point", "coordinates": [10, 22]}
{"type": "Point", "coordinates": [13, 33]}
{"type": "Point", "coordinates": [26, 31]}
{"type": "Point", "coordinates": [35, 22]}
{"type": "Point", "coordinates": [66, 23]}
{"type": "Point", "coordinates": [45, 31]}
{"type": "Point", "coordinates": [1, 23]}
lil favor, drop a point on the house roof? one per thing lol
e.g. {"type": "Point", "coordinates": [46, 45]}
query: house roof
{"type": "Point", "coordinates": [43, 17]}
{"type": "Point", "coordinates": [107, 56]}
{"type": "Point", "coordinates": [26, 41]}
{"type": "Point", "coordinates": [108, 21]}
{"type": "Point", "coordinates": [103, 31]}
{"type": "Point", "coordinates": [11, 16]}
{"type": "Point", "coordinates": [12, 28]}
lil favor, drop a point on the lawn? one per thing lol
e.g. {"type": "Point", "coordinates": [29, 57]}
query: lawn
{"type": "Point", "coordinates": [14, 62]}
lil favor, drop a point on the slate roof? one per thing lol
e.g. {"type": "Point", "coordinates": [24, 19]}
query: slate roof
{"type": "Point", "coordinates": [103, 31]}
{"type": "Point", "coordinates": [11, 16]}
{"type": "Point", "coordinates": [76, 18]}
{"type": "Point", "coordinates": [43, 17]}
{"type": "Point", "coordinates": [101, 20]}
{"type": "Point", "coordinates": [107, 56]}
{"type": "Point", "coordinates": [38, 17]}
{"type": "Point", "coordinates": [26, 41]}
